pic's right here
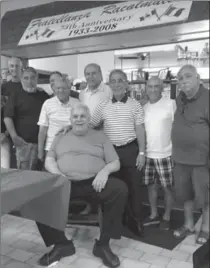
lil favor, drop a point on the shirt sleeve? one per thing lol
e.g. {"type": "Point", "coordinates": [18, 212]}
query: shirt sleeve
{"type": "Point", "coordinates": [11, 106]}
{"type": "Point", "coordinates": [43, 117]}
{"type": "Point", "coordinates": [110, 154]}
{"type": "Point", "coordinates": [97, 117]}
{"type": "Point", "coordinates": [138, 114]}
{"type": "Point", "coordinates": [52, 150]}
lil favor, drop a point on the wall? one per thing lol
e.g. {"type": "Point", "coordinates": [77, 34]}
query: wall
{"type": "Point", "coordinates": [65, 64]}
{"type": "Point", "coordinates": [74, 65]}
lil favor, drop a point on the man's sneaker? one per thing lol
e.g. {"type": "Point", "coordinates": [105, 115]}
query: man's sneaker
{"type": "Point", "coordinates": [151, 221]}
{"type": "Point", "coordinates": [56, 254]}
{"type": "Point", "coordinates": [165, 225]}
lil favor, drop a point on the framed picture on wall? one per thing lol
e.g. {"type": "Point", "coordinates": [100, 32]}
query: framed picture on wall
{"type": "Point", "coordinates": [163, 74]}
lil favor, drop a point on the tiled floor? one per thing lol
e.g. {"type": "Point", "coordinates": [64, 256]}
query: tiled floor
{"type": "Point", "coordinates": [21, 246]}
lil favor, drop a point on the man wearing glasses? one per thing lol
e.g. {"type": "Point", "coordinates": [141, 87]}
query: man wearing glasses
{"type": "Point", "coordinates": [123, 123]}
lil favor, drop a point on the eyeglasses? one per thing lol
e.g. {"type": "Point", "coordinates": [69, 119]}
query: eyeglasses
{"type": "Point", "coordinates": [120, 81]}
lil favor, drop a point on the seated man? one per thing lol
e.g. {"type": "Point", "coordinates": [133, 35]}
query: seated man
{"type": "Point", "coordinates": [87, 158]}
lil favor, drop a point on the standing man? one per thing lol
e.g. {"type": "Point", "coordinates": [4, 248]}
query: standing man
{"type": "Point", "coordinates": [56, 75]}
{"type": "Point", "coordinates": [21, 115]}
{"type": "Point", "coordinates": [190, 140]}
{"type": "Point", "coordinates": [96, 91]}
{"type": "Point", "coordinates": [55, 115]}
{"type": "Point", "coordinates": [123, 123]}
{"type": "Point", "coordinates": [159, 116]}
{"type": "Point", "coordinates": [15, 67]}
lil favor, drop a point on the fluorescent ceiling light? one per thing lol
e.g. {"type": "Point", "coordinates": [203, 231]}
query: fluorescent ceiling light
{"type": "Point", "coordinates": [193, 36]}
{"type": "Point", "coordinates": [192, 45]}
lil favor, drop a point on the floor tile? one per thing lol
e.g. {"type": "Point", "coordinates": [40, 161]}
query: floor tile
{"type": "Point", "coordinates": [127, 263]}
{"type": "Point", "coordinates": [17, 264]}
{"type": "Point", "coordinates": [5, 260]}
{"type": "Point", "coordinates": [22, 246]}
{"type": "Point", "coordinates": [188, 248]}
{"type": "Point", "coordinates": [87, 262]}
{"type": "Point", "coordinates": [6, 249]}
{"type": "Point", "coordinates": [155, 259]}
{"type": "Point", "coordinates": [20, 255]}
{"type": "Point", "coordinates": [130, 253]}
{"type": "Point", "coordinates": [179, 264]}
{"type": "Point", "coordinates": [178, 255]}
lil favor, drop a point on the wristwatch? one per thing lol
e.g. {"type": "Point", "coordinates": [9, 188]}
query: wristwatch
{"type": "Point", "coordinates": [142, 153]}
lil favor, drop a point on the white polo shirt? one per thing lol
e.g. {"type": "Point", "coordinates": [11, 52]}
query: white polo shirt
{"type": "Point", "coordinates": [159, 118]}
{"type": "Point", "coordinates": [55, 115]}
{"type": "Point", "coordinates": [92, 98]}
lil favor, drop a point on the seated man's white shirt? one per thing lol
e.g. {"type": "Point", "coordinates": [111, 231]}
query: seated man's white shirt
{"type": "Point", "coordinates": [92, 98]}
{"type": "Point", "coordinates": [55, 115]}
{"type": "Point", "coordinates": [159, 118]}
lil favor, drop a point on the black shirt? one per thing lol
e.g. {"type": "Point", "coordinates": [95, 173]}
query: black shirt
{"type": "Point", "coordinates": [9, 87]}
{"type": "Point", "coordinates": [24, 108]}
{"type": "Point", "coordinates": [6, 89]}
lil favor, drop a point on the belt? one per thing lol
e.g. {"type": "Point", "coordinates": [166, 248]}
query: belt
{"type": "Point", "coordinates": [127, 144]}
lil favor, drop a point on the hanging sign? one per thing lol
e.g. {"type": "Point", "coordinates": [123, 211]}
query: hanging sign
{"type": "Point", "coordinates": [105, 19]}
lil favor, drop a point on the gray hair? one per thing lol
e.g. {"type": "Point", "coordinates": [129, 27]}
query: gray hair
{"type": "Point", "coordinates": [30, 69]}
{"type": "Point", "coordinates": [94, 65]}
{"type": "Point", "coordinates": [118, 71]}
{"type": "Point", "coordinates": [81, 106]}
{"type": "Point", "coordinates": [64, 80]}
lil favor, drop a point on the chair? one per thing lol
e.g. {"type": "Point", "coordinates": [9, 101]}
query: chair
{"type": "Point", "coordinates": [84, 219]}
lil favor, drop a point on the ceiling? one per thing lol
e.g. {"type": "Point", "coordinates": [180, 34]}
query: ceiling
{"type": "Point", "coordinates": [198, 22]}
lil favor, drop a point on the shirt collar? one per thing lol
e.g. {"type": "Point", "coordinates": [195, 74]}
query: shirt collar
{"type": "Point", "coordinates": [63, 104]}
{"type": "Point", "coordinates": [99, 88]}
{"type": "Point", "coordinates": [124, 99]}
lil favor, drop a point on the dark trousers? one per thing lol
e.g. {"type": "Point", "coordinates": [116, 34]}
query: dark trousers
{"type": "Point", "coordinates": [132, 177]}
{"type": "Point", "coordinates": [112, 198]}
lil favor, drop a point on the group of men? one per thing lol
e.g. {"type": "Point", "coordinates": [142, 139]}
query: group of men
{"type": "Point", "coordinates": [112, 147]}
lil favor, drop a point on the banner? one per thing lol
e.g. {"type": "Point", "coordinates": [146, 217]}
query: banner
{"type": "Point", "coordinates": [105, 19]}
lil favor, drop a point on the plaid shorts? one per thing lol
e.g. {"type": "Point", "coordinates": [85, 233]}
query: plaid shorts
{"type": "Point", "coordinates": [158, 169]}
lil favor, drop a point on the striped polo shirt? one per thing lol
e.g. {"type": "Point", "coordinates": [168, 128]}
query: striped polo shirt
{"type": "Point", "coordinates": [55, 115]}
{"type": "Point", "coordinates": [119, 119]}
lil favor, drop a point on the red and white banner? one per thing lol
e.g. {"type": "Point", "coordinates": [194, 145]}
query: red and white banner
{"type": "Point", "coordinates": [105, 19]}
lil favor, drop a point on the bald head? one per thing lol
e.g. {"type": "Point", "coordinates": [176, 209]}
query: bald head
{"type": "Point", "coordinates": [15, 67]}
{"type": "Point", "coordinates": [156, 80]}
{"type": "Point", "coordinates": [190, 67]}
{"type": "Point", "coordinates": [188, 80]}
{"type": "Point", "coordinates": [93, 75]}
{"type": "Point", "coordinates": [154, 89]}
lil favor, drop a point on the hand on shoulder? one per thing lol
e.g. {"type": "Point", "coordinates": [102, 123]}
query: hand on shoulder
{"type": "Point", "coordinates": [64, 130]}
